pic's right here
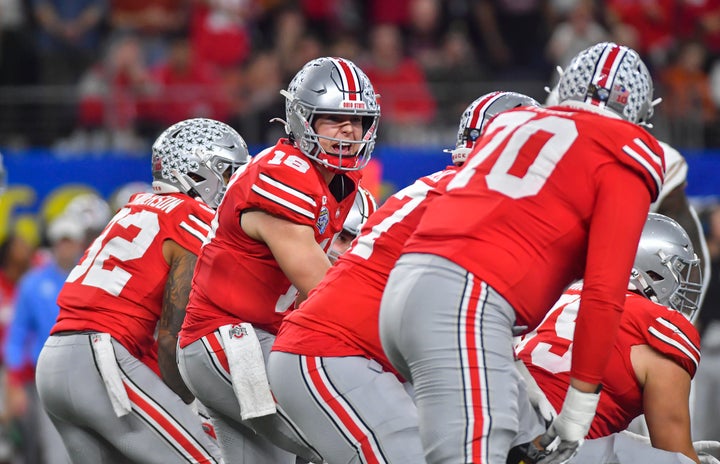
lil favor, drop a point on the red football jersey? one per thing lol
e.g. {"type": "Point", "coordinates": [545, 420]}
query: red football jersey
{"type": "Point", "coordinates": [117, 287]}
{"type": "Point", "coordinates": [545, 195]}
{"type": "Point", "coordinates": [340, 316]}
{"type": "Point", "coordinates": [547, 352]}
{"type": "Point", "coordinates": [237, 278]}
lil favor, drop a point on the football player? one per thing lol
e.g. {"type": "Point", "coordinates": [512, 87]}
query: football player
{"type": "Point", "coordinates": [548, 196]}
{"type": "Point", "coordinates": [267, 251]}
{"type": "Point", "coordinates": [328, 370]}
{"type": "Point", "coordinates": [672, 201]}
{"type": "Point", "coordinates": [654, 356]}
{"type": "Point", "coordinates": [109, 386]}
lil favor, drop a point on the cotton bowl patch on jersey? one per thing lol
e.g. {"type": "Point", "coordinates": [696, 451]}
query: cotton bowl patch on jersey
{"type": "Point", "coordinates": [323, 220]}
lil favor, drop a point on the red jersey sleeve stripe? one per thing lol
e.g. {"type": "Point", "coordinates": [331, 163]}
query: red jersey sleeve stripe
{"type": "Point", "coordinates": [680, 333]}
{"type": "Point", "coordinates": [282, 202]}
{"type": "Point", "coordinates": [288, 189]}
{"type": "Point", "coordinates": [654, 170]}
{"type": "Point", "coordinates": [200, 223]}
{"type": "Point", "coordinates": [194, 232]}
{"type": "Point", "coordinates": [673, 343]}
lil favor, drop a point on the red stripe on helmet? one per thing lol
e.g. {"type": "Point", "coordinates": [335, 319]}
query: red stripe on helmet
{"type": "Point", "coordinates": [478, 114]}
{"type": "Point", "coordinates": [352, 80]}
{"type": "Point", "coordinates": [608, 67]}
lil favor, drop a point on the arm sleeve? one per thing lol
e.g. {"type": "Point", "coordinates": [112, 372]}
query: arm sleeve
{"type": "Point", "coordinates": [284, 193]}
{"type": "Point", "coordinates": [615, 228]}
{"type": "Point", "coordinates": [667, 332]}
{"type": "Point", "coordinates": [676, 169]}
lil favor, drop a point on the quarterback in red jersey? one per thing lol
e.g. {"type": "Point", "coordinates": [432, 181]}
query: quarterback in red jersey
{"type": "Point", "coordinates": [267, 250]}
{"type": "Point", "coordinates": [547, 196]}
{"type": "Point", "coordinates": [98, 374]}
{"type": "Point", "coordinates": [656, 352]}
{"type": "Point", "coordinates": [327, 369]}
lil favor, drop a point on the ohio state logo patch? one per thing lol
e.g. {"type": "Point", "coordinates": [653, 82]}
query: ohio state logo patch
{"type": "Point", "coordinates": [323, 220]}
{"type": "Point", "coordinates": [238, 331]}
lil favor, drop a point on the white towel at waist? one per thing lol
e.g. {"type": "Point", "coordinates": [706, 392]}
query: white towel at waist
{"type": "Point", "coordinates": [110, 373]}
{"type": "Point", "coordinates": [247, 370]}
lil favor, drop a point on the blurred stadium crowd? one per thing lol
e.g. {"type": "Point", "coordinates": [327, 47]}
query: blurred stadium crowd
{"type": "Point", "coordinates": [89, 75]}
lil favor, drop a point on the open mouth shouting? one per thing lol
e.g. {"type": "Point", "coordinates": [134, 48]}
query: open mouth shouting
{"type": "Point", "coordinates": [341, 149]}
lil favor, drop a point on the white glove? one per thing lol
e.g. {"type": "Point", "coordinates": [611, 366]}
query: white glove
{"type": "Point", "coordinates": [537, 398]}
{"type": "Point", "coordinates": [707, 459]}
{"type": "Point", "coordinates": [563, 453]}
{"type": "Point", "coordinates": [708, 447]}
{"type": "Point", "coordinates": [570, 426]}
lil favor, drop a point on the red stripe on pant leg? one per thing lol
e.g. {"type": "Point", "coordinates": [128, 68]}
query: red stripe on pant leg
{"type": "Point", "coordinates": [166, 425]}
{"type": "Point", "coordinates": [214, 341]}
{"type": "Point", "coordinates": [474, 373]}
{"type": "Point", "coordinates": [340, 412]}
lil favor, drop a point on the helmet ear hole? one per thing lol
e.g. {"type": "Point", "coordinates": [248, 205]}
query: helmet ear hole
{"type": "Point", "coordinates": [195, 177]}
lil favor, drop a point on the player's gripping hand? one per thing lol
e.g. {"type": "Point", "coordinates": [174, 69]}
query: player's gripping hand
{"type": "Point", "coordinates": [569, 428]}
{"type": "Point", "coordinates": [537, 398]}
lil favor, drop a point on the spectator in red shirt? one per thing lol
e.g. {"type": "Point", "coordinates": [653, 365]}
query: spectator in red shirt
{"type": "Point", "coordinates": [153, 21]}
{"type": "Point", "coordinates": [187, 87]}
{"type": "Point", "coordinates": [219, 31]}
{"type": "Point", "coordinates": [404, 91]}
{"type": "Point", "coordinates": [112, 98]}
{"type": "Point", "coordinates": [652, 20]}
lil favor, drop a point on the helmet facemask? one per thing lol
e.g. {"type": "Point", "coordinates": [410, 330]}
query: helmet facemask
{"type": "Point", "coordinates": [209, 180]}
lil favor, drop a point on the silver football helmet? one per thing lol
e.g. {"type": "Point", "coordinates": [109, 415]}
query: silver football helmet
{"type": "Point", "coordinates": [666, 269]}
{"type": "Point", "coordinates": [332, 86]}
{"type": "Point", "coordinates": [610, 76]}
{"type": "Point", "coordinates": [363, 206]}
{"type": "Point", "coordinates": [194, 156]}
{"type": "Point", "coordinates": [478, 114]}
